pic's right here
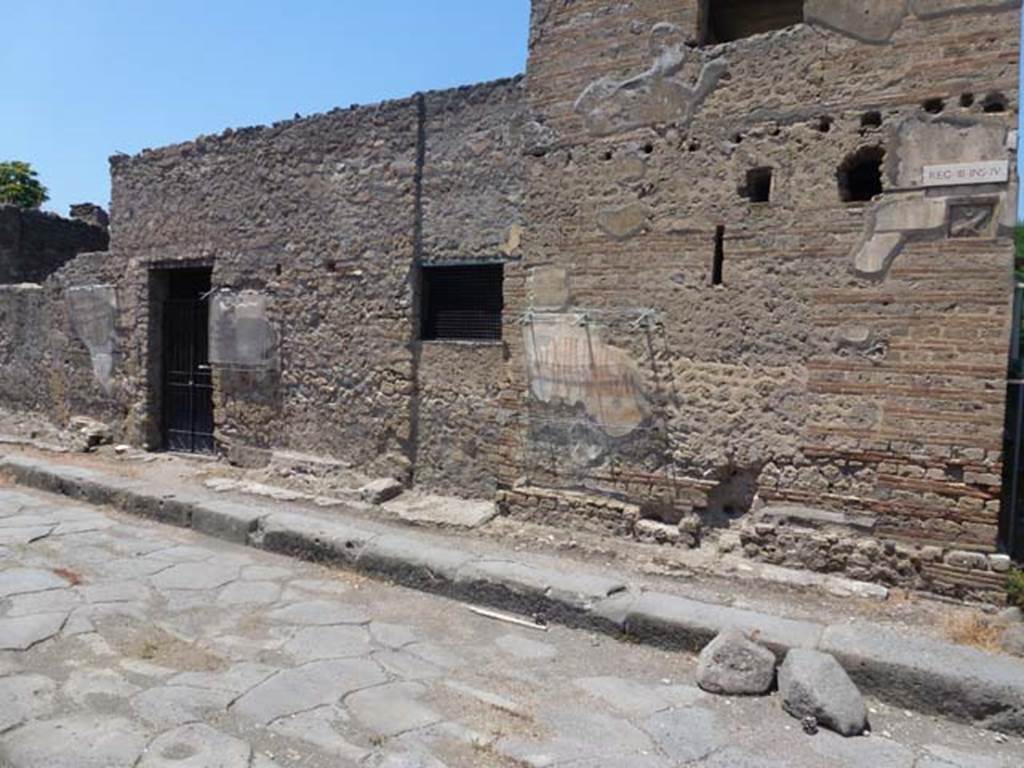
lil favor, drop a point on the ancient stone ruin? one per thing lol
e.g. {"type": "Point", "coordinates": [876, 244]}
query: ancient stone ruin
{"type": "Point", "coordinates": [711, 264]}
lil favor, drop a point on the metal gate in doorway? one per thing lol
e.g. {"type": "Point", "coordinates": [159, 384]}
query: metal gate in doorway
{"type": "Point", "coordinates": [187, 376]}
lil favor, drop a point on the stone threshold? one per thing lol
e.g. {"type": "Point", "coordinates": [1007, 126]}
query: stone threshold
{"type": "Point", "coordinates": [923, 674]}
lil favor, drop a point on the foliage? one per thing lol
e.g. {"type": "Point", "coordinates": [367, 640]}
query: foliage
{"type": "Point", "coordinates": [1015, 587]}
{"type": "Point", "coordinates": [20, 186]}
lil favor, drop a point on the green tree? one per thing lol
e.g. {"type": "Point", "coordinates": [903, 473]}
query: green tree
{"type": "Point", "coordinates": [20, 186]}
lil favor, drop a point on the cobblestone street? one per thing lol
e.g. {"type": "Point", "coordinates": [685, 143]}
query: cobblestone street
{"type": "Point", "coordinates": [126, 643]}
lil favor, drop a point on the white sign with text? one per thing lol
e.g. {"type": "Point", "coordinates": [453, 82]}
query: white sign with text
{"type": "Point", "coordinates": [983, 172]}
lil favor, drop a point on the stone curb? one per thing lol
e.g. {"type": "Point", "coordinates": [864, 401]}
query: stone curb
{"type": "Point", "coordinates": [927, 675]}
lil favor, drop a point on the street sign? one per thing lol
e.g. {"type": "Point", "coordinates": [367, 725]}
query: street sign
{"type": "Point", "coordinates": [956, 174]}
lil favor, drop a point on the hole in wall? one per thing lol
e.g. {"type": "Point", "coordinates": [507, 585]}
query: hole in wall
{"type": "Point", "coordinates": [966, 100]}
{"type": "Point", "coordinates": [933, 106]}
{"type": "Point", "coordinates": [330, 266]}
{"type": "Point", "coordinates": [860, 175]}
{"type": "Point", "coordinates": [994, 102]}
{"type": "Point", "coordinates": [825, 124]}
{"type": "Point", "coordinates": [277, 270]}
{"type": "Point", "coordinates": [718, 264]}
{"type": "Point", "coordinates": [872, 119]}
{"type": "Point", "coordinates": [723, 21]}
{"type": "Point", "coordinates": [606, 155]}
{"type": "Point", "coordinates": [647, 148]}
{"type": "Point", "coordinates": [758, 187]}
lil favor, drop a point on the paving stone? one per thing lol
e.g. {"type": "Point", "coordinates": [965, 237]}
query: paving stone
{"type": "Point", "coordinates": [436, 654]}
{"type": "Point", "coordinates": [86, 686]}
{"type": "Point", "coordinates": [78, 741]}
{"type": "Point", "coordinates": [406, 665]}
{"type": "Point", "coordinates": [20, 537]}
{"type": "Point", "coordinates": [403, 759]}
{"type": "Point", "coordinates": [638, 699]}
{"type": "Point", "coordinates": [250, 593]}
{"type": "Point", "coordinates": [195, 576]}
{"type": "Point", "coordinates": [734, 757]}
{"type": "Point", "coordinates": [196, 745]}
{"type": "Point", "coordinates": [169, 705]}
{"type": "Point", "coordinates": [115, 592]}
{"type": "Point", "coordinates": [525, 648]}
{"type": "Point", "coordinates": [939, 756]}
{"type": "Point", "coordinates": [265, 573]}
{"type": "Point", "coordinates": [320, 613]}
{"type": "Point", "coordinates": [321, 586]}
{"type": "Point", "coordinates": [389, 710]}
{"type": "Point", "coordinates": [237, 679]}
{"type": "Point", "coordinates": [317, 728]}
{"type": "Point", "coordinates": [23, 697]}
{"type": "Point", "coordinates": [19, 581]}
{"type": "Point", "coordinates": [305, 687]}
{"type": "Point", "coordinates": [10, 663]}
{"type": "Point", "coordinates": [335, 642]}
{"type": "Point", "coordinates": [181, 553]}
{"type": "Point", "coordinates": [50, 601]}
{"type": "Point", "coordinates": [394, 635]}
{"type": "Point", "coordinates": [19, 634]}
{"type": "Point", "coordinates": [577, 736]}
{"type": "Point", "coordinates": [875, 752]}
{"type": "Point", "coordinates": [686, 734]}
{"type": "Point", "coordinates": [486, 697]}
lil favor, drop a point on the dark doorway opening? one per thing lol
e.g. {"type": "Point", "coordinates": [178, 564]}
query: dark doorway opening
{"type": "Point", "coordinates": [185, 381]}
{"type": "Point", "coordinates": [1011, 523]}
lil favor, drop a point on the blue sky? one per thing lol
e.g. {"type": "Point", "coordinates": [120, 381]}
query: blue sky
{"type": "Point", "coordinates": [87, 78]}
{"type": "Point", "coordinates": [84, 79]}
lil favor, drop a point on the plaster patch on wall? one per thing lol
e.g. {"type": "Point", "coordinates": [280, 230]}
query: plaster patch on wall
{"type": "Point", "coordinates": [568, 363]}
{"type": "Point", "coordinates": [622, 223]}
{"type": "Point", "coordinates": [92, 310]}
{"type": "Point", "coordinates": [661, 94]}
{"type": "Point", "coordinates": [920, 143]}
{"type": "Point", "coordinates": [913, 214]}
{"type": "Point", "coordinates": [549, 288]}
{"type": "Point", "coordinates": [871, 21]}
{"type": "Point", "coordinates": [241, 335]}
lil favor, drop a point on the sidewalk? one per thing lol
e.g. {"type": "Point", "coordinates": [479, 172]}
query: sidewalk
{"type": "Point", "coordinates": [902, 669]}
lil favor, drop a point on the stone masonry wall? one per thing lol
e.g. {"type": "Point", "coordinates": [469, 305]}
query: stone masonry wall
{"type": "Point", "coordinates": [34, 244]}
{"type": "Point", "coordinates": [321, 222]}
{"type": "Point", "coordinates": [683, 345]}
{"type": "Point", "coordinates": [854, 354]}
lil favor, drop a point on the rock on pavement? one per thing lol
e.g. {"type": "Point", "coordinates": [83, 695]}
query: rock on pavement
{"type": "Point", "coordinates": [734, 665]}
{"type": "Point", "coordinates": [813, 684]}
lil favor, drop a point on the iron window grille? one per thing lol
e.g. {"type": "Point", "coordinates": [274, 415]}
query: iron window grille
{"type": "Point", "coordinates": [462, 303]}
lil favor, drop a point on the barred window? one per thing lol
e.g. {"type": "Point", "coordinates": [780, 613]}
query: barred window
{"type": "Point", "coordinates": [462, 303]}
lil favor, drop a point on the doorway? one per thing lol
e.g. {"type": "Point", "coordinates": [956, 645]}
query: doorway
{"type": "Point", "coordinates": [1012, 520]}
{"type": "Point", "coordinates": [186, 383]}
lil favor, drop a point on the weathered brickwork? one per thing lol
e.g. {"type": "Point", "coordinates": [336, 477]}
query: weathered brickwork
{"type": "Point", "coordinates": [835, 377]}
{"type": "Point", "coordinates": [726, 287]}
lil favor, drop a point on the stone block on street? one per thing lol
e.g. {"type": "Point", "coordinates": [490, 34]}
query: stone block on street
{"type": "Point", "coordinates": [734, 665]}
{"type": "Point", "coordinates": [813, 684]}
